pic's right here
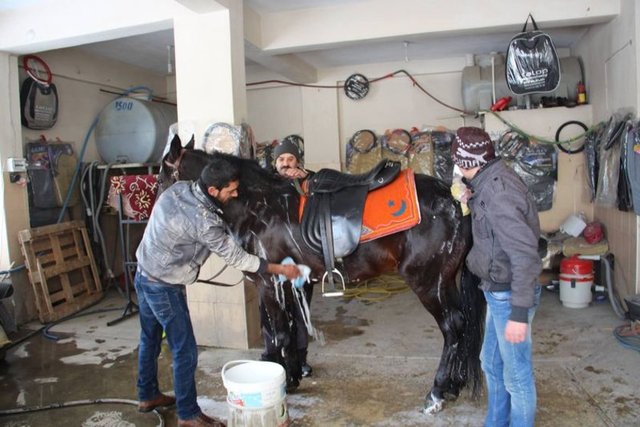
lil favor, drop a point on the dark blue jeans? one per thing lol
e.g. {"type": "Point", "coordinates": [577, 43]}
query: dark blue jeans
{"type": "Point", "coordinates": [164, 307]}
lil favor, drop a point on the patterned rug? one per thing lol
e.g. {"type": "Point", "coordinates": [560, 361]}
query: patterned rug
{"type": "Point", "coordinates": [138, 195]}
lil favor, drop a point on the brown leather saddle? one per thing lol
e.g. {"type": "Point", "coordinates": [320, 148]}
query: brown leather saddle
{"type": "Point", "coordinates": [332, 218]}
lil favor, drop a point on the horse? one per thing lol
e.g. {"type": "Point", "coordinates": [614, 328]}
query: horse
{"type": "Point", "coordinates": [428, 256]}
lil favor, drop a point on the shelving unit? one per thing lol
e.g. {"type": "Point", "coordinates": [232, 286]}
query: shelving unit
{"type": "Point", "coordinates": [124, 224]}
{"type": "Point", "coordinates": [128, 265]}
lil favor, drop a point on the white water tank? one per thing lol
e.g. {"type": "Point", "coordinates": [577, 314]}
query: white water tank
{"type": "Point", "coordinates": [131, 130]}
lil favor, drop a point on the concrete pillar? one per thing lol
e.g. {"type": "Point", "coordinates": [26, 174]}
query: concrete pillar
{"type": "Point", "coordinates": [210, 74]}
{"type": "Point", "coordinates": [210, 85]}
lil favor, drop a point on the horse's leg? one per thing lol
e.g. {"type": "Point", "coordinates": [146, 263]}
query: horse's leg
{"type": "Point", "coordinates": [429, 266]}
{"type": "Point", "coordinates": [441, 300]}
{"type": "Point", "coordinates": [281, 329]}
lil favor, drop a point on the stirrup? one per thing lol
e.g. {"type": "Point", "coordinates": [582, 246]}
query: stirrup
{"type": "Point", "coordinates": [336, 291]}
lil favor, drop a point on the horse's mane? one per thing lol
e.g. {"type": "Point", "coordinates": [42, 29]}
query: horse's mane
{"type": "Point", "coordinates": [265, 201]}
{"type": "Point", "coordinates": [254, 178]}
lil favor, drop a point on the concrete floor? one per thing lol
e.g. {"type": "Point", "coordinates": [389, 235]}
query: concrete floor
{"type": "Point", "coordinates": [377, 364]}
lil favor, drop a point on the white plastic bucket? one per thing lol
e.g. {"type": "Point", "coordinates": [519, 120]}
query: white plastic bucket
{"type": "Point", "coordinates": [256, 393]}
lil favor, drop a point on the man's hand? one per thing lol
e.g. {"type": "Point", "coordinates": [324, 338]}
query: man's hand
{"type": "Point", "coordinates": [515, 332]}
{"type": "Point", "coordinates": [290, 271]}
{"type": "Point", "coordinates": [293, 173]}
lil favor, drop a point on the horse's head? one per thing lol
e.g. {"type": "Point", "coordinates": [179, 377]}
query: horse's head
{"type": "Point", "coordinates": [181, 163]}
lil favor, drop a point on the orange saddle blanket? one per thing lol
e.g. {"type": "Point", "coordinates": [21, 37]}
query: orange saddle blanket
{"type": "Point", "coordinates": [389, 209]}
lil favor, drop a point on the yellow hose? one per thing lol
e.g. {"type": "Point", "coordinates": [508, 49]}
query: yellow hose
{"type": "Point", "coordinates": [377, 289]}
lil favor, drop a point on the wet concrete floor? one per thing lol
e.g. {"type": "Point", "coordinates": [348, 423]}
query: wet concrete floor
{"type": "Point", "coordinates": [378, 362]}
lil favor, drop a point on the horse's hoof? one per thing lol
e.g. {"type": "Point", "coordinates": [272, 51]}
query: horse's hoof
{"type": "Point", "coordinates": [432, 405]}
{"type": "Point", "coordinates": [292, 386]}
{"type": "Point", "coordinates": [451, 395]}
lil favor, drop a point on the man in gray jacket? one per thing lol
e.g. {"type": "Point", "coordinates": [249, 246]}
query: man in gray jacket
{"type": "Point", "coordinates": [504, 255]}
{"type": "Point", "coordinates": [185, 227]}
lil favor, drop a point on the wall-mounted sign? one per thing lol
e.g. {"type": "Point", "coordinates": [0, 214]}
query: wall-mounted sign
{"type": "Point", "coordinates": [356, 86]}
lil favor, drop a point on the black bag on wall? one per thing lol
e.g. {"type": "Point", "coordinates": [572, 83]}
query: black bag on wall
{"type": "Point", "coordinates": [38, 104]}
{"type": "Point", "coordinates": [532, 64]}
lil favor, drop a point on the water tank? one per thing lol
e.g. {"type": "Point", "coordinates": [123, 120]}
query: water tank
{"type": "Point", "coordinates": [131, 130]}
{"type": "Point", "coordinates": [477, 84]}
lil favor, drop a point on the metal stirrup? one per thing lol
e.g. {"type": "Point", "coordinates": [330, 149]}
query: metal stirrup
{"type": "Point", "coordinates": [336, 291]}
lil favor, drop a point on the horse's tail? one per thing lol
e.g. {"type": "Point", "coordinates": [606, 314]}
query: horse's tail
{"type": "Point", "coordinates": [473, 309]}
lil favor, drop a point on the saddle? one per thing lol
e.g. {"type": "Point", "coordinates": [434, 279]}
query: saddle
{"type": "Point", "coordinates": [332, 218]}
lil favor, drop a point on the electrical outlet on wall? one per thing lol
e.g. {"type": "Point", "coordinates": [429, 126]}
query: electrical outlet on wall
{"type": "Point", "coordinates": [16, 164]}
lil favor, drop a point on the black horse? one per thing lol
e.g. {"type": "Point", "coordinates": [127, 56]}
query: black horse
{"type": "Point", "coordinates": [428, 257]}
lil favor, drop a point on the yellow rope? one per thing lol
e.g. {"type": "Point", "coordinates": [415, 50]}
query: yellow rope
{"type": "Point", "coordinates": [377, 289]}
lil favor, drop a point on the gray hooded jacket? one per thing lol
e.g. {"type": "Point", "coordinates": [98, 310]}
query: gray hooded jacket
{"type": "Point", "coordinates": [506, 229]}
{"type": "Point", "coordinates": [184, 229]}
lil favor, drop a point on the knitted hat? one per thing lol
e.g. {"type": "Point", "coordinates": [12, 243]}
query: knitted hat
{"type": "Point", "coordinates": [472, 147]}
{"type": "Point", "coordinates": [286, 146]}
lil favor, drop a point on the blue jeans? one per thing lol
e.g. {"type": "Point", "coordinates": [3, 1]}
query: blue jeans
{"type": "Point", "coordinates": [508, 368]}
{"type": "Point", "coordinates": [164, 307]}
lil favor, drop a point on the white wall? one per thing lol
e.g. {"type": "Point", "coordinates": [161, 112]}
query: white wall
{"type": "Point", "coordinates": [326, 118]}
{"type": "Point", "coordinates": [609, 52]}
{"type": "Point", "coordinates": [79, 78]}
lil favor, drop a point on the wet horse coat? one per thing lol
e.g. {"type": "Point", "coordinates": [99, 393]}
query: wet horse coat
{"type": "Point", "coordinates": [428, 256]}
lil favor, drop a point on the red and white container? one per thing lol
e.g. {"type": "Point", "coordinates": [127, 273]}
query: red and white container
{"type": "Point", "coordinates": [576, 278]}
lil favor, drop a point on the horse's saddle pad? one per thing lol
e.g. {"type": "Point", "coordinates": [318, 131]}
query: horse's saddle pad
{"type": "Point", "coordinates": [353, 199]}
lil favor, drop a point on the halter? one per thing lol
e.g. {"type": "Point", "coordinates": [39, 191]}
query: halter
{"type": "Point", "coordinates": [176, 165]}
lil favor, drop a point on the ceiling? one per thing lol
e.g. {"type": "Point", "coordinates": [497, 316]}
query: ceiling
{"type": "Point", "coordinates": [150, 51]}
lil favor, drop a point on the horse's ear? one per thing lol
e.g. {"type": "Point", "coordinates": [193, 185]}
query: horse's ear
{"type": "Point", "coordinates": [192, 143]}
{"type": "Point", "coordinates": [176, 146]}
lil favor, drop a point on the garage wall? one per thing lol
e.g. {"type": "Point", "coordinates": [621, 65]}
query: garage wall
{"type": "Point", "coordinates": [609, 52]}
{"type": "Point", "coordinates": [78, 78]}
{"type": "Point", "coordinates": [327, 118]}
{"type": "Point", "coordinates": [571, 194]}
{"type": "Point", "coordinates": [397, 103]}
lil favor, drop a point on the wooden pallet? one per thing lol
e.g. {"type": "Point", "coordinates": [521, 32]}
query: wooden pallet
{"type": "Point", "coordinates": [61, 269]}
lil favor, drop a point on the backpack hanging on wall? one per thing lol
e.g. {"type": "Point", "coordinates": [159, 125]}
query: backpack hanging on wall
{"type": "Point", "coordinates": [532, 64]}
{"type": "Point", "coordinates": [38, 104]}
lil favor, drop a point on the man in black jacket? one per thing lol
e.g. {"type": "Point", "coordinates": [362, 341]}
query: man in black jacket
{"type": "Point", "coordinates": [504, 255]}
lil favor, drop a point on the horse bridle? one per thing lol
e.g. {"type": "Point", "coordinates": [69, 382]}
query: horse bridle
{"type": "Point", "coordinates": [175, 175]}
